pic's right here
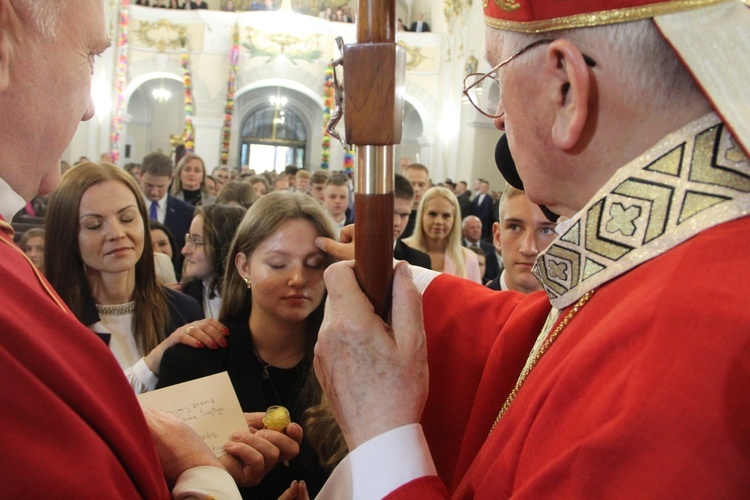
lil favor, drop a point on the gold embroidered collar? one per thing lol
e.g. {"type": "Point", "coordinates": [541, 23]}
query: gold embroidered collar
{"type": "Point", "coordinates": [692, 180]}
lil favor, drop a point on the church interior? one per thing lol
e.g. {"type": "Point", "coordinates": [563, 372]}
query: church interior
{"type": "Point", "coordinates": [253, 86]}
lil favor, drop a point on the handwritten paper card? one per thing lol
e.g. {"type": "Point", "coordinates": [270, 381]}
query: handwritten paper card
{"type": "Point", "coordinates": [208, 405]}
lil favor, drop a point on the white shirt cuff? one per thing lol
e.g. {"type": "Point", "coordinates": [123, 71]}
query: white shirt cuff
{"type": "Point", "coordinates": [381, 465]}
{"type": "Point", "coordinates": [141, 378]}
{"type": "Point", "coordinates": [205, 482]}
{"type": "Point", "coordinates": [423, 277]}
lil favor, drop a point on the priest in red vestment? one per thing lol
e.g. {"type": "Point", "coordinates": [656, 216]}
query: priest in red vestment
{"type": "Point", "coordinates": [71, 425]}
{"type": "Point", "coordinates": [627, 377]}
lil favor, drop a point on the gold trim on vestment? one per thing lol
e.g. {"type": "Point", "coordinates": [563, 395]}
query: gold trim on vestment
{"type": "Point", "coordinates": [612, 16]}
{"type": "Point", "coordinates": [692, 180]}
{"type": "Point", "coordinates": [8, 229]}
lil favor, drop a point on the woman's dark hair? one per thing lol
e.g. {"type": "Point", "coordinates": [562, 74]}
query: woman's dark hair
{"type": "Point", "coordinates": [155, 224]}
{"type": "Point", "coordinates": [64, 266]}
{"type": "Point", "coordinates": [220, 222]}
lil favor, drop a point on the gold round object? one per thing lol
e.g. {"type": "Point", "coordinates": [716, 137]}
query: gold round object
{"type": "Point", "coordinates": [276, 418]}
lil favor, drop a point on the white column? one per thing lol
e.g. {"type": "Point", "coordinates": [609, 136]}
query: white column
{"type": "Point", "coordinates": [208, 139]}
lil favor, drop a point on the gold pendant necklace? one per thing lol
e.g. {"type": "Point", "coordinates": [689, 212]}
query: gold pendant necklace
{"type": "Point", "coordinates": [525, 373]}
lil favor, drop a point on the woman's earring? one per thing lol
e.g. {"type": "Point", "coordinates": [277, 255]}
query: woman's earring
{"type": "Point", "coordinates": [247, 282]}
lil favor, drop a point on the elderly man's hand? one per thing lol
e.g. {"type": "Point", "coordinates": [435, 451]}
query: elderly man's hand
{"type": "Point", "coordinates": [178, 446]}
{"type": "Point", "coordinates": [339, 250]}
{"type": "Point", "coordinates": [374, 376]}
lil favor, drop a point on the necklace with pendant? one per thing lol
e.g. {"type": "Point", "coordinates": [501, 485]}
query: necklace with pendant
{"type": "Point", "coordinates": [266, 374]}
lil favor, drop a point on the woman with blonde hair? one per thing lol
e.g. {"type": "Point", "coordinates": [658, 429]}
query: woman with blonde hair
{"type": "Point", "coordinates": [189, 183]}
{"type": "Point", "coordinates": [99, 257]}
{"type": "Point", "coordinates": [272, 303]}
{"type": "Point", "coordinates": [438, 234]}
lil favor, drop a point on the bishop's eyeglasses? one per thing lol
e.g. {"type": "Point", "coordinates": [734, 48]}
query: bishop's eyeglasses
{"type": "Point", "coordinates": [486, 102]}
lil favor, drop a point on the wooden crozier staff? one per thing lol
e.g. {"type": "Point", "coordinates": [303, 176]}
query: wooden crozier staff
{"type": "Point", "coordinates": [374, 71]}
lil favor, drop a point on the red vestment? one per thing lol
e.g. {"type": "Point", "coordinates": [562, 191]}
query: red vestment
{"type": "Point", "coordinates": [72, 427]}
{"type": "Point", "coordinates": [644, 392]}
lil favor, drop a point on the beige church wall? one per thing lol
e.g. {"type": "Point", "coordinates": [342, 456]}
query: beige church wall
{"type": "Point", "coordinates": [276, 55]}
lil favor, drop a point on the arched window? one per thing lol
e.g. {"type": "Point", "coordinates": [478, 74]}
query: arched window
{"type": "Point", "coordinates": [273, 137]}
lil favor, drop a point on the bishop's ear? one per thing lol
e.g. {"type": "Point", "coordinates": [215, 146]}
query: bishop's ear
{"type": "Point", "coordinates": [569, 74]}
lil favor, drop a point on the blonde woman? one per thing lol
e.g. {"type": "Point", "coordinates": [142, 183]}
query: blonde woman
{"type": "Point", "coordinates": [438, 234]}
{"type": "Point", "coordinates": [189, 182]}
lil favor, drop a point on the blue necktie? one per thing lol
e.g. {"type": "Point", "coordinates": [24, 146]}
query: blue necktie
{"type": "Point", "coordinates": [152, 213]}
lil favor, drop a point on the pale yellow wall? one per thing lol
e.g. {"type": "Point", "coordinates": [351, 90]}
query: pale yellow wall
{"type": "Point", "coordinates": [453, 147]}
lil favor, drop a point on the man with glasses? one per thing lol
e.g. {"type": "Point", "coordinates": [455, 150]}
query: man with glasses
{"type": "Point", "coordinates": [629, 118]}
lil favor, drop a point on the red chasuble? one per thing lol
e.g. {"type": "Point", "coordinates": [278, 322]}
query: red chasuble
{"type": "Point", "coordinates": [71, 425]}
{"type": "Point", "coordinates": [644, 394]}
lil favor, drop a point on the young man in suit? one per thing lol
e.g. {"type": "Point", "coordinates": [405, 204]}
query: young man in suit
{"type": "Point", "coordinates": [155, 178]}
{"type": "Point", "coordinates": [419, 176]}
{"type": "Point", "coordinates": [336, 200]}
{"type": "Point", "coordinates": [522, 232]}
{"type": "Point", "coordinates": [471, 229]}
{"type": "Point", "coordinates": [464, 198]}
{"type": "Point", "coordinates": [403, 197]}
{"type": "Point", "coordinates": [481, 206]}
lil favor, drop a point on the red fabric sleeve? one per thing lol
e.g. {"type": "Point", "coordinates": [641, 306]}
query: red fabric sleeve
{"type": "Point", "coordinates": [71, 424]}
{"type": "Point", "coordinates": [424, 488]}
{"type": "Point", "coordinates": [471, 330]}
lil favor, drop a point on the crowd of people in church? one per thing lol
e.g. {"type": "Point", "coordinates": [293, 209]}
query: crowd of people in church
{"type": "Point", "coordinates": [456, 232]}
{"type": "Point", "coordinates": [185, 273]}
{"type": "Point", "coordinates": [581, 362]}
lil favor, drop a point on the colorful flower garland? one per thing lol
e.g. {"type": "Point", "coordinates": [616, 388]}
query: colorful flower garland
{"type": "Point", "coordinates": [187, 81]}
{"type": "Point", "coordinates": [349, 160]}
{"type": "Point", "coordinates": [121, 82]}
{"type": "Point", "coordinates": [234, 56]}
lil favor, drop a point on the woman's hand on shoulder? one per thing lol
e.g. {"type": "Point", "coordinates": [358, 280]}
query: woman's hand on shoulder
{"type": "Point", "coordinates": [206, 332]}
